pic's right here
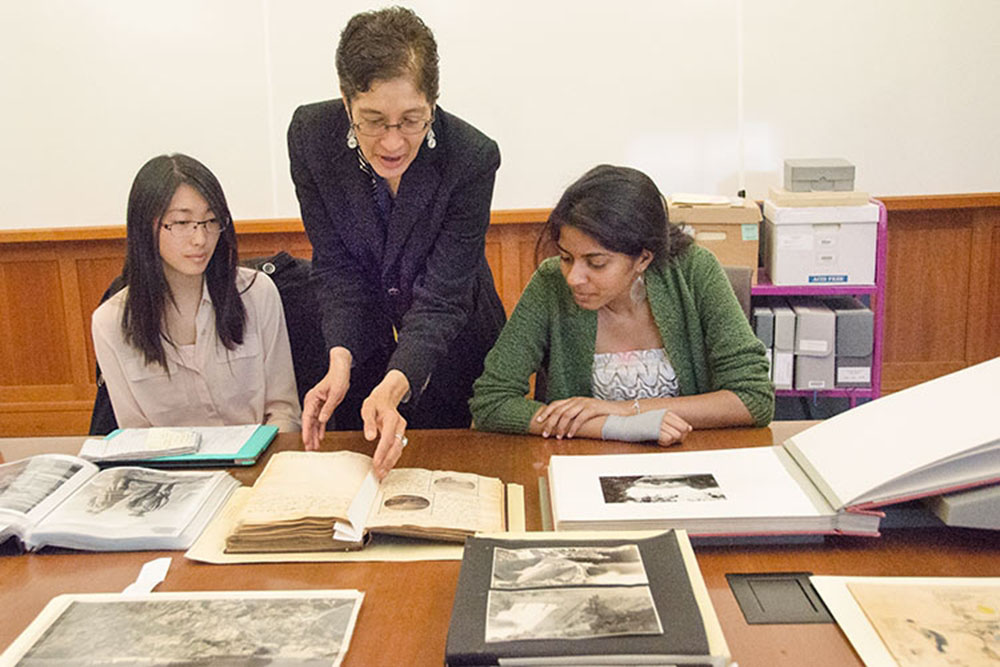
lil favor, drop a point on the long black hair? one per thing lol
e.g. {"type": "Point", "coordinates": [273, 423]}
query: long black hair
{"type": "Point", "coordinates": [622, 209]}
{"type": "Point", "coordinates": [148, 291]}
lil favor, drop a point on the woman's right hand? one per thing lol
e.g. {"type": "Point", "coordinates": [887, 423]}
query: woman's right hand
{"type": "Point", "coordinates": [323, 399]}
{"type": "Point", "coordinates": [673, 429]}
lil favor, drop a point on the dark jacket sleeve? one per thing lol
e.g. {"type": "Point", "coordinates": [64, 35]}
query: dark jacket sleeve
{"type": "Point", "coordinates": [345, 290]}
{"type": "Point", "coordinates": [445, 293]}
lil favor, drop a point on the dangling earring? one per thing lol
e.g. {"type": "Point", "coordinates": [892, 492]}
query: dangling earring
{"type": "Point", "coordinates": [431, 139]}
{"type": "Point", "coordinates": [638, 290]}
{"type": "Point", "coordinates": [352, 139]}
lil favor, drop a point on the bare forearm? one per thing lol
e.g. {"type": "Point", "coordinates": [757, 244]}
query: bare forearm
{"type": "Point", "coordinates": [589, 429]}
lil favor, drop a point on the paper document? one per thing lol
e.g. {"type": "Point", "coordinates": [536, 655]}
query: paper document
{"type": "Point", "coordinates": [141, 443]}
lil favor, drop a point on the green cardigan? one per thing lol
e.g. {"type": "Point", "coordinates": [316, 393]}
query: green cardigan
{"type": "Point", "coordinates": [705, 333]}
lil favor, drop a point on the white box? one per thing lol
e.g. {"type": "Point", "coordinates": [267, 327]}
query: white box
{"type": "Point", "coordinates": [820, 245]}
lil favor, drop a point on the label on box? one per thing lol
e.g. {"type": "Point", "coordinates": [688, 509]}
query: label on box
{"type": "Point", "coordinates": [828, 279]}
{"type": "Point", "coordinates": [784, 369]}
{"type": "Point", "coordinates": [813, 345]}
{"type": "Point", "coordinates": [795, 241]}
{"type": "Point", "coordinates": [817, 384]}
{"type": "Point", "coordinates": [750, 231]}
{"type": "Point", "coordinates": [854, 375]}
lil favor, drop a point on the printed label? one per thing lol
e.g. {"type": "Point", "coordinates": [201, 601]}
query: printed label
{"type": "Point", "coordinates": [828, 279]}
{"type": "Point", "coordinates": [795, 241]}
{"type": "Point", "coordinates": [783, 370]}
{"type": "Point", "coordinates": [817, 384]}
{"type": "Point", "coordinates": [750, 231]}
{"type": "Point", "coordinates": [813, 345]}
{"type": "Point", "coordinates": [854, 375]}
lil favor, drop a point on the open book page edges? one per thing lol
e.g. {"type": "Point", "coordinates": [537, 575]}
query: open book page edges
{"type": "Point", "coordinates": [923, 440]}
{"type": "Point", "coordinates": [575, 597]}
{"type": "Point", "coordinates": [300, 495]}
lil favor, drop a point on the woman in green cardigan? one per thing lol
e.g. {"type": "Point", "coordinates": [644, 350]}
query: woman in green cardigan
{"type": "Point", "coordinates": [635, 330]}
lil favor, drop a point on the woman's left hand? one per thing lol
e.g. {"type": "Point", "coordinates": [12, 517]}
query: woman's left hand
{"type": "Point", "coordinates": [382, 419]}
{"type": "Point", "coordinates": [564, 418]}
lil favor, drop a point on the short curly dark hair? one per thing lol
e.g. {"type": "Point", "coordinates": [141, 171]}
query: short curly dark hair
{"type": "Point", "coordinates": [385, 44]}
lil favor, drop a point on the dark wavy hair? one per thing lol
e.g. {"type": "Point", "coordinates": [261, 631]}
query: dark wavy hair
{"type": "Point", "coordinates": [622, 209]}
{"type": "Point", "coordinates": [148, 290]}
{"type": "Point", "coordinates": [385, 44]}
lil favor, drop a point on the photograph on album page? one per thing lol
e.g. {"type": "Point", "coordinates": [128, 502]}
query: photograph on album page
{"type": "Point", "coordinates": [60, 500]}
{"type": "Point", "coordinates": [539, 567]}
{"type": "Point", "coordinates": [164, 629]}
{"type": "Point", "coordinates": [570, 613]}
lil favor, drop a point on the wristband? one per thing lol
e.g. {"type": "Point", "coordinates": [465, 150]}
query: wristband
{"type": "Point", "coordinates": [633, 428]}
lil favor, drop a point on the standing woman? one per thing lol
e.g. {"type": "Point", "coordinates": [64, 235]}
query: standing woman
{"type": "Point", "coordinates": [395, 197]}
{"type": "Point", "coordinates": [192, 339]}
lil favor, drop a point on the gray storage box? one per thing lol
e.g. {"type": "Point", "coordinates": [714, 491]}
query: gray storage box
{"type": "Point", "coordinates": [763, 324]}
{"type": "Point", "coordinates": [815, 330]}
{"type": "Point", "coordinates": [783, 356]}
{"type": "Point", "coordinates": [855, 341]}
{"type": "Point", "coordinates": [816, 174]}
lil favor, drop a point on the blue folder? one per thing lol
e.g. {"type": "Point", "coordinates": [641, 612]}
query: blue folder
{"type": "Point", "coordinates": [246, 456]}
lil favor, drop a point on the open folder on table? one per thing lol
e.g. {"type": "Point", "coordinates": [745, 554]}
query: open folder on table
{"type": "Point", "coordinates": [216, 446]}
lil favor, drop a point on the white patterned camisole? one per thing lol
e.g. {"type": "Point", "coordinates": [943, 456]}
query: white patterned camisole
{"type": "Point", "coordinates": [624, 376]}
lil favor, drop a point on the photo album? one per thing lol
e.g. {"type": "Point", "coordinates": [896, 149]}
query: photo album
{"type": "Point", "coordinates": [65, 501]}
{"type": "Point", "coordinates": [830, 478]}
{"type": "Point", "coordinates": [622, 598]}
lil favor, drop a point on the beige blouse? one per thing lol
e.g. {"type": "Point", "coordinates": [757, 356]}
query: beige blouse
{"type": "Point", "coordinates": [208, 385]}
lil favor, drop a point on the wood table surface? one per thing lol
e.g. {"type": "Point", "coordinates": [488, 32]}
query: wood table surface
{"type": "Point", "coordinates": [405, 614]}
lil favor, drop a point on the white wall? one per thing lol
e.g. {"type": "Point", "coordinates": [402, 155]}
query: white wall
{"type": "Point", "coordinates": [704, 95]}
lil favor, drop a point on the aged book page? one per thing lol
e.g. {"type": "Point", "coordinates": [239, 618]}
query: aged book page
{"type": "Point", "coordinates": [301, 496]}
{"type": "Point", "coordinates": [436, 503]}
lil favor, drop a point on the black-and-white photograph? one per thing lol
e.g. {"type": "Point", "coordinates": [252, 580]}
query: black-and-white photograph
{"type": "Point", "coordinates": [690, 488]}
{"type": "Point", "coordinates": [543, 567]}
{"type": "Point", "coordinates": [294, 631]}
{"type": "Point", "coordinates": [135, 496]}
{"type": "Point", "coordinates": [571, 613]}
{"type": "Point", "coordinates": [406, 502]}
{"type": "Point", "coordinates": [25, 483]}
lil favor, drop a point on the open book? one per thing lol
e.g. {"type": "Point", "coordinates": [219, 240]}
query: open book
{"type": "Point", "coordinates": [65, 501]}
{"type": "Point", "coordinates": [936, 437]}
{"type": "Point", "coordinates": [323, 501]}
{"type": "Point", "coordinates": [543, 598]}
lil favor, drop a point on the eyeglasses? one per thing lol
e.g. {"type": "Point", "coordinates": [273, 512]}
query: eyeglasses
{"type": "Point", "coordinates": [184, 229]}
{"type": "Point", "coordinates": [379, 128]}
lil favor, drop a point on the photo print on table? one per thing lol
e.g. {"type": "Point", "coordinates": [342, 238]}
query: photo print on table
{"type": "Point", "coordinates": [571, 613]}
{"type": "Point", "coordinates": [541, 567]}
{"type": "Point", "coordinates": [300, 628]}
{"type": "Point", "coordinates": [686, 488]}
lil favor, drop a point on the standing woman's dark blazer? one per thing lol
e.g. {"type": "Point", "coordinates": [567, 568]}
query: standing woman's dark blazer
{"type": "Point", "coordinates": [425, 275]}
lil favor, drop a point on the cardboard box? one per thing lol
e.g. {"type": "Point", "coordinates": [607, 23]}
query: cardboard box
{"type": "Point", "coordinates": [782, 197]}
{"type": "Point", "coordinates": [818, 174]}
{"type": "Point", "coordinates": [783, 357]}
{"type": "Point", "coordinates": [763, 325]}
{"type": "Point", "coordinates": [819, 245]}
{"type": "Point", "coordinates": [731, 230]}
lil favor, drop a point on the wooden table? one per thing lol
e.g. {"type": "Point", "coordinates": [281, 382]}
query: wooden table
{"type": "Point", "coordinates": [404, 618]}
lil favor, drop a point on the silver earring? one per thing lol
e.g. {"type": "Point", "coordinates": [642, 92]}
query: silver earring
{"type": "Point", "coordinates": [431, 139]}
{"type": "Point", "coordinates": [638, 290]}
{"type": "Point", "coordinates": [352, 139]}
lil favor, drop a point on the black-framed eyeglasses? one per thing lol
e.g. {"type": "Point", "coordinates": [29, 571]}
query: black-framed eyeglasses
{"type": "Point", "coordinates": [184, 229]}
{"type": "Point", "coordinates": [379, 128]}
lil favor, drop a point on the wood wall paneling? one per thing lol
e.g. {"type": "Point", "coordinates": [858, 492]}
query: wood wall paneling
{"type": "Point", "coordinates": [942, 297]}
